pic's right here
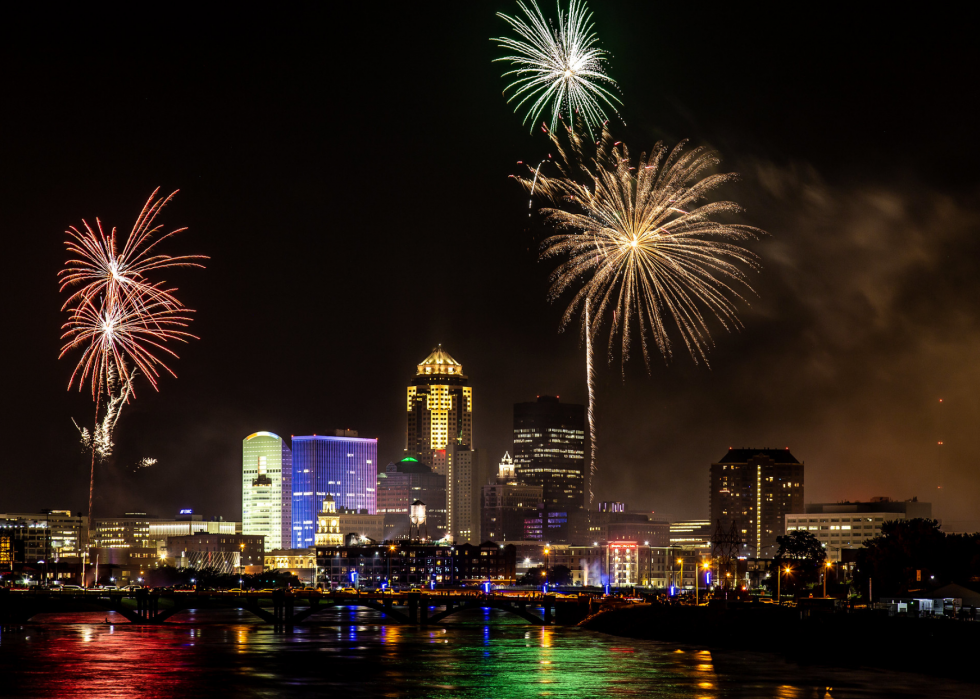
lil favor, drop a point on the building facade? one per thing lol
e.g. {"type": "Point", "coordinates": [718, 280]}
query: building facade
{"type": "Point", "coordinates": [131, 530]}
{"type": "Point", "coordinates": [402, 484]}
{"type": "Point", "coordinates": [48, 535]}
{"type": "Point", "coordinates": [224, 553]}
{"type": "Point", "coordinates": [549, 451]}
{"type": "Point", "coordinates": [415, 565]}
{"type": "Point", "coordinates": [466, 471]}
{"type": "Point", "coordinates": [692, 534]}
{"type": "Point", "coordinates": [755, 489]}
{"type": "Point", "coordinates": [343, 466]}
{"type": "Point", "coordinates": [267, 489]}
{"type": "Point", "coordinates": [439, 410]}
{"type": "Point", "coordinates": [507, 503]}
{"type": "Point", "coordinates": [847, 525]}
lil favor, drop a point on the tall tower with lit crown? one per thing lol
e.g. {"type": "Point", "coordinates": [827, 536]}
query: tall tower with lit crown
{"type": "Point", "coordinates": [440, 410]}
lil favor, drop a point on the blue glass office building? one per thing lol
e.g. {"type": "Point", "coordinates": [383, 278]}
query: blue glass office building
{"type": "Point", "coordinates": [342, 466]}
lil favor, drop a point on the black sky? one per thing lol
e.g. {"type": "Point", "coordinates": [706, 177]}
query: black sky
{"type": "Point", "coordinates": [347, 172]}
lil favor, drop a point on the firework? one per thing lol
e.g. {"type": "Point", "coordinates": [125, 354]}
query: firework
{"type": "Point", "coordinates": [118, 316]}
{"type": "Point", "coordinates": [145, 462]}
{"type": "Point", "coordinates": [643, 243]}
{"type": "Point", "coordinates": [557, 69]}
{"type": "Point", "coordinates": [114, 332]}
{"type": "Point", "coordinates": [119, 276]}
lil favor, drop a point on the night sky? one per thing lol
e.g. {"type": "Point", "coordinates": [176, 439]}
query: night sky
{"type": "Point", "coordinates": [347, 173]}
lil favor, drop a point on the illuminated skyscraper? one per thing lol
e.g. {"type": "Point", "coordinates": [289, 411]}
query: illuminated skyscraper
{"type": "Point", "coordinates": [267, 489]}
{"type": "Point", "coordinates": [756, 489]}
{"type": "Point", "coordinates": [343, 466]}
{"type": "Point", "coordinates": [549, 450]}
{"type": "Point", "coordinates": [440, 410]}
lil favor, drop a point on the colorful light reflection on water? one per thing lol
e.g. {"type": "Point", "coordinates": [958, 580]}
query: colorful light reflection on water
{"type": "Point", "coordinates": [350, 653]}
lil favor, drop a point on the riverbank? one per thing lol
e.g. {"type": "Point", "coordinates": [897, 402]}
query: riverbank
{"type": "Point", "coordinates": [938, 647]}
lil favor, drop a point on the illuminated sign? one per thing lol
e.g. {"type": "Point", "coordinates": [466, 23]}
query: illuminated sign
{"type": "Point", "coordinates": [187, 512]}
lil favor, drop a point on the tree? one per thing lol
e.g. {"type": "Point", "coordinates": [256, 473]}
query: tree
{"type": "Point", "coordinates": [915, 554]}
{"type": "Point", "coordinates": [803, 554]}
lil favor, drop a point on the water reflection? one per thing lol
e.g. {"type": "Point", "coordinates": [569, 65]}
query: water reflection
{"type": "Point", "coordinates": [352, 653]}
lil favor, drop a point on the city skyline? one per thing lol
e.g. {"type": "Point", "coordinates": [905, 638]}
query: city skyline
{"type": "Point", "coordinates": [309, 313]}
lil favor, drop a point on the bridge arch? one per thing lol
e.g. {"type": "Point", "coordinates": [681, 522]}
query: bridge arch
{"type": "Point", "coordinates": [518, 609]}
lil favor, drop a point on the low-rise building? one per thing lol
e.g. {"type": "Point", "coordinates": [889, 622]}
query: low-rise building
{"type": "Point", "coordinates": [223, 553]}
{"type": "Point", "coordinates": [847, 525]}
{"type": "Point", "coordinates": [299, 562]}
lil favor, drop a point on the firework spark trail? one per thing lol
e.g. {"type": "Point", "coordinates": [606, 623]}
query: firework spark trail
{"type": "Point", "coordinates": [100, 439]}
{"type": "Point", "coordinates": [558, 68]}
{"type": "Point", "coordinates": [590, 381]}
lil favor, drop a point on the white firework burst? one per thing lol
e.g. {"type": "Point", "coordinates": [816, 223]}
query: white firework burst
{"type": "Point", "coordinates": [558, 68]}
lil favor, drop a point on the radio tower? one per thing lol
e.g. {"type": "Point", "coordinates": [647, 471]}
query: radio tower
{"type": "Point", "coordinates": [941, 460]}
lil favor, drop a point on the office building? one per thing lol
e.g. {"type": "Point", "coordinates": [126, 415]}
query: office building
{"type": "Point", "coordinates": [267, 489]}
{"type": "Point", "coordinates": [440, 410]}
{"type": "Point", "coordinates": [48, 535]}
{"type": "Point", "coordinates": [613, 521]}
{"type": "Point", "coordinates": [847, 525]}
{"type": "Point", "coordinates": [187, 523]}
{"type": "Point", "coordinates": [465, 472]}
{"type": "Point", "coordinates": [131, 530]}
{"type": "Point", "coordinates": [343, 466]}
{"type": "Point", "coordinates": [549, 451]}
{"type": "Point", "coordinates": [402, 484]}
{"type": "Point", "coordinates": [692, 534]}
{"type": "Point", "coordinates": [507, 503]}
{"type": "Point", "coordinates": [756, 489]}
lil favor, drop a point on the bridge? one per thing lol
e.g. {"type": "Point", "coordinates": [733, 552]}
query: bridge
{"type": "Point", "coordinates": [285, 608]}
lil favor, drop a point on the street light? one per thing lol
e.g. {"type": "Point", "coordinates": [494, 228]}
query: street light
{"type": "Point", "coordinates": [779, 579]}
{"type": "Point", "coordinates": [705, 566]}
{"type": "Point", "coordinates": [681, 562]}
{"type": "Point", "coordinates": [827, 566]}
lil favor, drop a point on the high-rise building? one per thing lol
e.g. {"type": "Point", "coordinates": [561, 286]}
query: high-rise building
{"type": "Point", "coordinates": [756, 489]}
{"type": "Point", "coordinates": [848, 525]}
{"type": "Point", "coordinates": [465, 472]}
{"type": "Point", "coordinates": [549, 451]}
{"type": "Point", "coordinates": [402, 484]}
{"type": "Point", "coordinates": [440, 410]}
{"type": "Point", "coordinates": [343, 466]}
{"type": "Point", "coordinates": [267, 489]}
{"type": "Point", "coordinates": [506, 504]}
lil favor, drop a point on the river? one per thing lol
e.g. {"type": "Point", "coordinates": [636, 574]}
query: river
{"type": "Point", "coordinates": [348, 653]}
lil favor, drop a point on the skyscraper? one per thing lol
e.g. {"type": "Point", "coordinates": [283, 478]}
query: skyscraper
{"type": "Point", "coordinates": [549, 450]}
{"type": "Point", "coordinates": [267, 489]}
{"type": "Point", "coordinates": [756, 489]}
{"type": "Point", "coordinates": [466, 472]}
{"type": "Point", "coordinates": [440, 410]}
{"type": "Point", "coordinates": [343, 466]}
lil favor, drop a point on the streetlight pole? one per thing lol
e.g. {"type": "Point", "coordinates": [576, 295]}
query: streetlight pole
{"type": "Point", "coordinates": [681, 586]}
{"type": "Point", "coordinates": [826, 570]}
